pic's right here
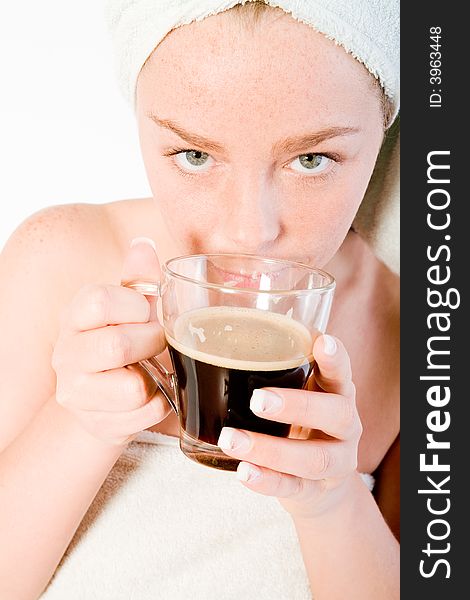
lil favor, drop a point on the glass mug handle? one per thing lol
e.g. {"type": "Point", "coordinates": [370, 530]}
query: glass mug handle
{"type": "Point", "coordinates": [164, 380]}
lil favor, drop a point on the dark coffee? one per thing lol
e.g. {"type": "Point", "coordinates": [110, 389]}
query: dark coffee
{"type": "Point", "coordinates": [221, 355]}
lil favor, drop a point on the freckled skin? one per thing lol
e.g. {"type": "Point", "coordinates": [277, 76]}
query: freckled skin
{"type": "Point", "coordinates": [247, 90]}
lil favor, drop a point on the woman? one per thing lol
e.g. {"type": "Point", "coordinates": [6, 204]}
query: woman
{"type": "Point", "coordinates": [259, 134]}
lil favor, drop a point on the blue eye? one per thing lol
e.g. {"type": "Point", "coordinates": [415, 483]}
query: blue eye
{"type": "Point", "coordinates": [311, 163]}
{"type": "Point", "coordinates": [193, 160]}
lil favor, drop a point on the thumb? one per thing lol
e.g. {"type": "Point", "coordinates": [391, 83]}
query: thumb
{"type": "Point", "coordinates": [141, 264]}
{"type": "Point", "coordinates": [333, 366]}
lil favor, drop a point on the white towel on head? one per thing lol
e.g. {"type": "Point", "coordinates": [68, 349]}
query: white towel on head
{"type": "Point", "coordinates": [367, 29]}
{"type": "Point", "coordinates": [163, 526]}
{"type": "Point", "coordinates": [378, 217]}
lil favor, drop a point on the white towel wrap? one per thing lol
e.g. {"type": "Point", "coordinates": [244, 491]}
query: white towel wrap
{"type": "Point", "coordinates": [165, 527]}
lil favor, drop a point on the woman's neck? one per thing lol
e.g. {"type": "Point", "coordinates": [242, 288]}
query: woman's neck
{"type": "Point", "coordinates": [351, 263]}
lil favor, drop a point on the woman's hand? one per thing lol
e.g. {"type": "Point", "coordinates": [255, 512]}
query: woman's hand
{"type": "Point", "coordinates": [104, 331]}
{"type": "Point", "coordinates": [307, 475]}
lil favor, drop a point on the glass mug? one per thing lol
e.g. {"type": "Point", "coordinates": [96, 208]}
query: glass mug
{"type": "Point", "coordinates": [234, 323]}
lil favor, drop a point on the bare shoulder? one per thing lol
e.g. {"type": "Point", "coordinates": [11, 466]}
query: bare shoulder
{"type": "Point", "coordinates": [68, 245]}
{"type": "Point", "coordinates": [64, 227]}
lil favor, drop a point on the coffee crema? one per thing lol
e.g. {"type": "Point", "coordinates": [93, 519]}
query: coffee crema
{"type": "Point", "coordinates": [242, 338]}
{"type": "Point", "coordinates": [220, 355]}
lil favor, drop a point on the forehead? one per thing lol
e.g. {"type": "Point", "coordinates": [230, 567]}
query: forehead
{"type": "Point", "coordinates": [280, 70]}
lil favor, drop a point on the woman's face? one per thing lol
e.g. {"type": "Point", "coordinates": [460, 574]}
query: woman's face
{"type": "Point", "coordinates": [260, 141]}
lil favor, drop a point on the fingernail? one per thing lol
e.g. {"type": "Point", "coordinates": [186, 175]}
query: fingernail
{"type": "Point", "coordinates": [329, 345]}
{"type": "Point", "coordinates": [143, 240]}
{"type": "Point", "coordinates": [247, 472]}
{"type": "Point", "coordinates": [231, 439]}
{"type": "Point", "coordinates": [263, 401]}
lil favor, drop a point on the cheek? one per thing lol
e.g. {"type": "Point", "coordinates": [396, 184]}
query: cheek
{"type": "Point", "coordinates": [184, 213]}
{"type": "Point", "coordinates": [322, 212]}
{"type": "Point", "coordinates": [183, 210]}
{"type": "Point", "coordinates": [317, 218]}
{"type": "Point", "coordinates": [191, 216]}
{"type": "Point", "coordinates": [316, 234]}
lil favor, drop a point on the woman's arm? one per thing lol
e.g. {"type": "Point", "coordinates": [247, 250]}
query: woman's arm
{"type": "Point", "coordinates": [48, 478]}
{"type": "Point", "coordinates": [350, 552]}
{"type": "Point", "coordinates": [63, 428]}
{"type": "Point", "coordinates": [387, 487]}
{"type": "Point", "coordinates": [50, 468]}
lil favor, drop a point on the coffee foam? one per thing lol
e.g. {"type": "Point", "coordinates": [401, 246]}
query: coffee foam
{"type": "Point", "coordinates": [240, 338]}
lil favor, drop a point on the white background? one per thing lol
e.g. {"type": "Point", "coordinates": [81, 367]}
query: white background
{"type": "Point", "coordinates": [66, 134]}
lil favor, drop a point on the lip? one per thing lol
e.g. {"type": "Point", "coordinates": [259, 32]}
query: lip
{"type": "Point", "coordinates": [239, 280]}
{"type": "Point", "coordinates": [230, 281]}
{"type": "Point", "coordinates": [244, 280]}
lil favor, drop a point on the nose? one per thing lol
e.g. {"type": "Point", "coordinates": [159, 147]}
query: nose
{"type": "Point", "coordinates": [251, 220]}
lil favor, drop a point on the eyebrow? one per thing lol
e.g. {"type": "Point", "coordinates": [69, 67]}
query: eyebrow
{"type": "Point", "coordinates": [287, 145]}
